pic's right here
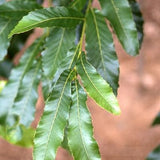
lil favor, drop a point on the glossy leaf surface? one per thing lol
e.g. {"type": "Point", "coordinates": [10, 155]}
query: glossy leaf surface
{"type": "Point", "coordinates": [57, 45]}
{"type": "Point", "coordinates": [50, 131]}
{"type": "Point", "coordinates": [80, 130]}
{"type": "Point", "coordinates": [67, 63]}
{"type": "Point", "coordinates": [97, 87]}
{"type": "Point", "coordinates": [10, 91]}
{"type": "Point", "coordinates": [100, 48]}
{"type": "Point", "coordinates": [48, 17]}
{"type": "Point", "coordinates": [137, 15]}
{"type": "Point", "coordinates": [120, 16]}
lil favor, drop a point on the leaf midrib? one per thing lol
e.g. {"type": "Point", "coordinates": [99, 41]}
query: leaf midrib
{"type": "Point", "coordinates": [74, 3]}
{"type": "Point", "coordinates": [78, 109]}
{"type": "Point", "coordinates": [5, 26]}
{"type": "Point", "coordinates": [39, 23]}
{"type": "Point", "coordinates": [58, 49]}
{"type": "Point", "coordinates": [118, 17]}
{"type": "Point", "coordinates": [94, 85]}
{"type": "Point", "coordinates": [22, 75]}
{"type": "Point", "coordinates": [55, 116]}
{"type": "Point", "coordinates": [30, 89]}
{"type": "Point", "coordinates": [99, 40]}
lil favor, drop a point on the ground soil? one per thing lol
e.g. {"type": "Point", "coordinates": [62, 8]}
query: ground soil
{"type": "Point", "coordinates": [130, 135]}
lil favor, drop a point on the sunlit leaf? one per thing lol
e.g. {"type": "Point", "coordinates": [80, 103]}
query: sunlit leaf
{"type": "Point", "coordinates": [97, 87]}
{"type": "Point", "coordinates": [48, 17]}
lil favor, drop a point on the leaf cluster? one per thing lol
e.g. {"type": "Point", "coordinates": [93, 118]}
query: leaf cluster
{"type": "Point", "coordinates": [74, 57]}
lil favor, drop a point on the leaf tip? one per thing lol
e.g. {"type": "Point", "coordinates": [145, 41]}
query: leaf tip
{"type": "Point", "coordinates": [117, 111]}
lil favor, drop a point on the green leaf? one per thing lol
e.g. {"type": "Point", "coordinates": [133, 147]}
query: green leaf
{"type": "Point", "coordinates": [5, 68]}
{"type": "Point", "coordinates": [2, 84]}
{"type": "Point", "coordinates": [17, 43]}
{"type": "Point", "coordinates": [156, 120]}
{"type": "Point", "coordinates": [61, 2]}
{"type": "Point", "coordinates": [17, 9]}
{"type": "Point", "coordinates": [100, 48]}
{"type": "Point", "coordinates": [59, 55]}
{"type": "Point", "coordinates": [78, 4]}
{"type": "Point", "coordinates": [67, 63]}
{"type": "Point", "coordinates": [25, 102]}
{"type": "Point", "coordinates": [10, 13]}
{"type": "Point", "coordinates": [6, 25]}
{"type": "Point", "coordinates": [80, 132]}
{"type": "Point", "coordinates": [97, 87]}
{"type": "Point", "coordinates": [48, 17]}
{"type": "Point", "coordinates": [137, 15]}
{"type": "Point", "coordinates": [18, 135]}
{"type": "Point", "coordinates": [120, 16]}
{"type": "Point", "coordinates": [10, 91]}
{"type": "Point", "coordinates": [50, 131]}
{"type": "Point", "coordinates": [57, 45]}
{"type": "Point", "coordinates": [155, 154]}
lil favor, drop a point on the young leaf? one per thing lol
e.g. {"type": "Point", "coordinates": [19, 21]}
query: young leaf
{"type": "Point", "coordinates": [25, 102]}
{"type": "Point", "coordinates": [78, 4]}
{"type": "Point", "coordinates": [155, 154]}
{"type": "Point", "coordinates": [100, 48]}
{"type": "Point", "coordinates": [50, 131]}
{"type": "Point", "coordinates": [97, 87]}
{"type": "Point", "coordinates": [120, 16]}
{"type": "Point", "coordinates": [10, 91]}
{"type": "Point", "coordinates": [80, 132]}
{"type": "Point", "coordinates": [48, 17]}
{"type": "Point", "coordinates": [137, 15]}
{"type": "Point", "coordinates": [10, 13]}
